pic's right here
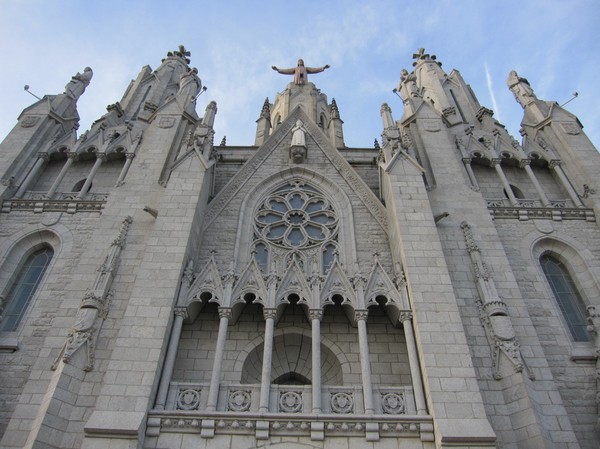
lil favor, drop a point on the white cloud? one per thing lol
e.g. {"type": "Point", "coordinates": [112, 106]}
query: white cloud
{"type": "Point", "coordinates": [490, 86]}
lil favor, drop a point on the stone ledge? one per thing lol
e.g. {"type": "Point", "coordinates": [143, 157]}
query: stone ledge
{"type": "Point", "coordinates": [115, 424]}
{"type": "Point", "coordinates": [465, 433]}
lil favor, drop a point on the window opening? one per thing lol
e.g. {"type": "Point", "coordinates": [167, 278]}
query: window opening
{"type": "Point", "coordinates": [23, 288]}
{"type": "Point", "coordinates": [567, 296]}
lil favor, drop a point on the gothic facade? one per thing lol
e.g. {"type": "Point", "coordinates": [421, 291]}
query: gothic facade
{"type": "Point", "coordinates": [158, 290]}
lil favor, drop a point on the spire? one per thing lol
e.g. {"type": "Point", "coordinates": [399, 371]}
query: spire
{"type": "Point", "coordinates": [266, 109]}
{"type": "Point", "coordinates": [263, 124]}
{"type": "Point", "coordinates": [335, 112]}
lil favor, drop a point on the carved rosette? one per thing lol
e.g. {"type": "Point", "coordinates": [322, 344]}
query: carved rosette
{"type": "Point", "coordinates": [188, 399]}
{"type": "Point", "coordinates": [239, 401]}
{"type": "Point", "coordinates": [290, 402]}
{"type": "Point", "coordinates": [393, 403]}
{"type": "Point", "coordinates": [342, 402]}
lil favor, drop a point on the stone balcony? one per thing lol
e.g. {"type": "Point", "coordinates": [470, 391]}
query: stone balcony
{"type": "Point", "coordinates": [68, 202]}
{"type": "Point", "coordinates": [533, 208]}
{"type": "Point", "coordinates": [290, 412]}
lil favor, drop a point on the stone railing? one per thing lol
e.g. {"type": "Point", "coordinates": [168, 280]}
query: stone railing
{"type": "Point", "coordinates": [63, 202]}
{"type": "Point", "coordinates": [532, 208]}
{"type": "Point", "coordinates": [290, 412]}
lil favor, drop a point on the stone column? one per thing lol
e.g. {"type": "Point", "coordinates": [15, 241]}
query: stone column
{"type": "Point", "coordinates": [365, 365]}
{"type": "Point", "coordinates": [70, 159]}
{"type": "Point", "coordinates": [413, 361]}
{"type": "Point", "coordinates": [213, 393]}
{"type": "Point", "coordinates": [167, 372]}
{"type": "Point", "coordinates": [507, 189]}
{"type": "Point", "coordinates": [83, 192]}
{"type": "Point", "coordinates": [129, 158]}
{"type": "Point", "coordinates": [316, 315]}
{"type": "Point", "coordinates": [43, 158]}
{"type": "Point", "coordinates": [265, 380]}
{"type": "Point", "coordinates": [555, 165]}
{"type": "Point", "coordinates": [470, 174]}
{"type": "Point", "coordinates": [545, 201]}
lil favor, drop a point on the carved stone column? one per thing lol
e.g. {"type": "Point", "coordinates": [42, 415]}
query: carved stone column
{"type": "Point", "coordinates": [100, 157]}
{"type": "Point", "coordinates": [316, 315]}
{"type": "Point", "coordinates": [525, 164]}
{"type": "Point", "coordinates": [505, 184]}
{"type": "Point", "coordinates": [470, 174]}
{"type": "Point", "coordinates": [167, 372]}
{"type": "Point", "coordinates": [43, 158]}
{"type": "Point", "coordinates": [213, 392]}
{"type": "Point", "coordinates": [413, 361]}
{"type": "Point", "coordinates": [555, 165]}
{"type": "Point", "coordinates": [365, 366]}
{"type": "Point", "coordinates": [128, 159]}
{"type": "Point", "coordinates": [265, 379]}
{"type": "Point", "coordinates": [71, 157]}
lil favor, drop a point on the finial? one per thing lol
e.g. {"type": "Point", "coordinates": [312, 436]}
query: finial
{"type": "Point", "coordinates": [376, 144]}
{"type": "Point", "coordinates": [224, 141]}
{"type": "Point", "coordinates": [335, 112]}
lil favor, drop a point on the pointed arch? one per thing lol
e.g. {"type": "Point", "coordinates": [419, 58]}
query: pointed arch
{"type": "Point", "coordinates": [26, 259]}
{"type": "Point", "coordinates": [569, 278]}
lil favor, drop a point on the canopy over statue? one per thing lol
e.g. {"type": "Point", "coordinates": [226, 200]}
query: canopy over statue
{"type": "Point", "coordinates": [300, 72]}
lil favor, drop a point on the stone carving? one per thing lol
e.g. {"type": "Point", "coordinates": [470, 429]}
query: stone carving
{"type": "Point", "coordinates": [493, 312]}
{"type": "Point", "coordinates": [300, 72]}
{"type": "Point", "coordinates": [188, 399]}
{"type": "Point", "coordinates": [239, 401]}
{"type": "Point", "coordinates": [342, 402]}
{"type": "Point", "coordinates": [290, 402]}
{"type": "Point", "coordinates": [78, 83]}
{"type": "Point", "coordinates": [189, 85]}
{"type": "Point", "coordinates": [94, 306]}
{"type": "Point", "coordinates": [166, 122]}
{"type": "Point", "coordinates": [570, 128]}
{"type": "Point", "coordinates": [393, 403]}
{"type": "Point", "coordinates": [298, 146]}
{"type": "Point", "coordinates": [29, 121]}
{"type": "Point", "coordinates": [408, 84]}
{"type": "Point", "coordinates": [520, 88]}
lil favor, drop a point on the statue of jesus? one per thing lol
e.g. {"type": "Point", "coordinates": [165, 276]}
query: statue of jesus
{"type": "Point", "coordinates": [300, 72]}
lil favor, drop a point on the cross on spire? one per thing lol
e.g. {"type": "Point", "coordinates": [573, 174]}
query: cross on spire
{"type": "Point", "coordinates": [420, 55]}
{"type": "Point", "coordinates": [182, 53]}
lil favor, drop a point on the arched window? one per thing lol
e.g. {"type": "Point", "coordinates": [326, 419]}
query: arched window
{"type": "Point", "coordinates": [26, 281]}
{"type": "Point", "coordinates": [568, 298]}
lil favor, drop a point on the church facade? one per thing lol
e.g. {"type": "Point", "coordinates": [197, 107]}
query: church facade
{"type": "Point", "coordinates": [438, 290]}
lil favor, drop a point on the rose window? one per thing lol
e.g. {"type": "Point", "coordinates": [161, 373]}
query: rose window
{"type": "Point", "coordinates": [296, 216]}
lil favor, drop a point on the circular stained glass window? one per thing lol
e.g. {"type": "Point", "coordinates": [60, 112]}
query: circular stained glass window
{"type": "Point", "coordinates": [296, 216]}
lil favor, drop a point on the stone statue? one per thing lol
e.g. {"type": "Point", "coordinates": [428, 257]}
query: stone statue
{"type": "Point", "coordinates": [408, 84]}
{"type": "Point", "coordinates": [298, 138]}
{"type": "Point", "coordinates": [189, 84]}
{"type": "Point", "coordinates": [521, 88]}
{"type": "Point", "coordinates": [298, 146]}
{"type": "Point", "coordinates": [78, 83]}
{"type": "Point", "coordinates": [300, 72]}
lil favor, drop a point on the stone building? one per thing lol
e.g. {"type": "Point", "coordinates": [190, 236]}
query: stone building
{"type": "Point", "coordinates": [162, 291]}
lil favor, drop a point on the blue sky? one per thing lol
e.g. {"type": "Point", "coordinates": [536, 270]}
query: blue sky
{"type": "Point", "coordinates": [554, 44]}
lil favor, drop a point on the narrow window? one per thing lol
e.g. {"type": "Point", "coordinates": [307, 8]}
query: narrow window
{"type": "Point", "coordinates": [569, 301]}
{"type": "Point", "coordinates": [23, 288]}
